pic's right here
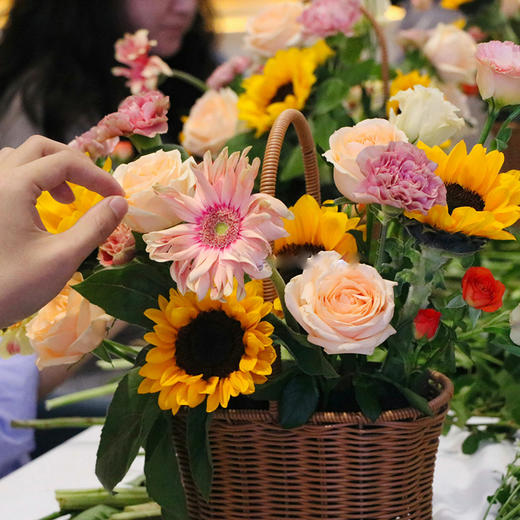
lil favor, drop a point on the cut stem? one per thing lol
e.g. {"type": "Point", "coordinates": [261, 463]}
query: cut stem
{"type": "Point", "coordinates": [492, 116]}
{"type": "Point", "coordinates": [188, 78]}
{"type": "Point", "coordinates": [59, 422]}
{"type": "Point", "coordinates": [78, 499]}
{"type": "Point", "coordinates": [82, 395]}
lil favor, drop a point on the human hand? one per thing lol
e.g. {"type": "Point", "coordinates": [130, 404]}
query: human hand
{"type": "Point", "coordinates": [34, 264]}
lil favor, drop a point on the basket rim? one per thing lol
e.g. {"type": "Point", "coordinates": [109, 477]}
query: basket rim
{"type": "Point", "coordinates": [438, 404]}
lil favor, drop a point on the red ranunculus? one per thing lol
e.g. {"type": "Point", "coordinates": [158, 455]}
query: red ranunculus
{"type": "Point", "coordinates": [481, 290]}
{"type": "Point", "coordinates": [426, 323]}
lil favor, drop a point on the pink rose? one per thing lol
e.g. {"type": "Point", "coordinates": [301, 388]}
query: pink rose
{"type": "Point", "coordinates": [347, 142]}
{"type": "Point", "coordinates": [498, 72]}
{"type": "Point", "coordinates": [224, 74]}
{"type": "Point", "coordinates": [67, 328]}
{"type": "Point", "coordinates": [346, 308]}
{"type": "Point", "coordinates": [118, 248]}
{"type": "Point", "coordinates": [399, 175]}
{"type": "Point", "coordinates": [275, 27]}
{"type": "Point", "coordinates": [327, 17]}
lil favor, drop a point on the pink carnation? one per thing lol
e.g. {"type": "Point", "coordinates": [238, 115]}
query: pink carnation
{"type": "Point", "coordinates": [119, 247]}
{"type": "Point", "coordinates": [224, 74]}
{"type": "Point", "coordinates": [94, 144]}
{"type": "Point", "coordinates": [326, 17]}
{"type": "Point", "coordinates": [400, 175]}
{"type": "Point", "coordinates": [134, 48]}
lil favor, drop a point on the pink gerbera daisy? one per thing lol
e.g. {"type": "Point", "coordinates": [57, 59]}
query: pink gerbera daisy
{"type": "Point", "coordinates": [226, 230]}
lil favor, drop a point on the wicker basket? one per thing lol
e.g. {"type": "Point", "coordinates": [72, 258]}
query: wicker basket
{"type": "Point", "coordinates": [338, 466]}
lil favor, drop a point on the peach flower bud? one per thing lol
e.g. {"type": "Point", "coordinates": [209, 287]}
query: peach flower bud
{"type": "Point", "coordinates": [498, 72]}
{"type": "Point", "coordinates": [118, 248]}
{"type": "Point", "coordinates": [347, 142]}
{"type": "Point", "coordinates": [452, 52]}
{"type": "Point", "coordinates": [345, 308]}
{"type": "Point", "coordinates": [274, 28]}
{"type": "Point", "coordinates": [213, 119]}
{"type": "Point", "coordinates": [148, 211]}
{"type": "Point", "coordinates": [67, 328]}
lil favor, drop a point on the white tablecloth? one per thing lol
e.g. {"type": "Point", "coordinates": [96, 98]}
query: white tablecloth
{"type": "Point", "coordinates": [461, 485]}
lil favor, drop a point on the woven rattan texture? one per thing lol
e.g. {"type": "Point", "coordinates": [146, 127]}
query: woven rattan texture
{"type": "Point", "coordinates": [348, 470]}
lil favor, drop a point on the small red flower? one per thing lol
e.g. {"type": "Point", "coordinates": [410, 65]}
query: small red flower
{"type": "Point", "coordinates": [481, 290]}
{"type": "Point", "coordinates": [426, 323]}
{"type": "Point", "coordinates": [469, 90]}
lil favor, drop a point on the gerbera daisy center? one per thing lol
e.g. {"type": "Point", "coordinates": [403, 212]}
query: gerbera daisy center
{"type": "Point", "coordinates": [457, 196]}
{"type": "Point", "coordinates": [220, 227]}
{"type": "Point", "coordinates": [212, 344]}
{"type": "Point", "coordinates": [282, 92]}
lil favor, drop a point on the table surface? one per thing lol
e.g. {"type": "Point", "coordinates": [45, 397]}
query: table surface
{"type": "Point", "coordinates": [462, 482]}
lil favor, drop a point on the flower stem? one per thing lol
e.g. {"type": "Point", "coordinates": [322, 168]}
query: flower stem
{"type": "Point", "coordinates": [483, 325]}
{"type": "Point", "coordinates": [492, 116]}
{"type": "Point", "coordinates": [82, 395]}
{"type": "Point", "coordinates": [516, 509]}
{"type": "Point", "coordinates": [53, 516]}
{"type": "Point", "coordinates": [78, 499]}
{"type": "Point", "coordinates": [279, 285]}
{"type": "Point", "coordinates": [509, 119]}
{"type": "Point", "coordinates": [382, 241]}
{"type": "Point", "coordinates": [188, 78]}
{"type": "Point", "coordinates": [59, 422]}
{"type": "Point", "coordinates": [370, 227]}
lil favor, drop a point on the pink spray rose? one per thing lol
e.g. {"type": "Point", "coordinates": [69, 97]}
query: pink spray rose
{"type": "Point", "coordinates": [399, 175]}
{"type": "Point", "coordinates": [327, 17]}
{"type": "Point", "coordinates": [344, 307]}
{"type": "Point", "coordinates": [224, 74]}
{"type": "Point", "coordinates": [498, 72]}
{"type": "Point", "coordinates": [118, 248]}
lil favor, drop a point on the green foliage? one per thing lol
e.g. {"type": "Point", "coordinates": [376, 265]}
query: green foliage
{"type": "Point", "coordinates": [129, 419]}
{"type": "Point", "coordinates": [366, 392]}
{"type": "Point", "coordinates": [298, 401]}
{"type": "Point", "coordinates": [98, 512]}
{"type": "Point", "coordinates": [126, 292]}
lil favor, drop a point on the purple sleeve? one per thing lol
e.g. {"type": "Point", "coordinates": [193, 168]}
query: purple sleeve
{"type": "Point", "coordinates": [19, 380]}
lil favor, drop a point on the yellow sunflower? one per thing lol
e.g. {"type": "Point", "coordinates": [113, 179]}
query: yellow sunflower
{"type": "Point", "coordinates": [285, 82]}
{"type": "Point", "coordinates": [58, 217]}
{"type": "Point", "coordinates": [207, 349]}
{"type": "Point", "coordinates": [481, 202]}
{"type": "Point", "coordinates": [404, 82]}
{"type": "Point", "coordinates": [315, 229]}
{"type": "Point", "coordinates": [453, 4]}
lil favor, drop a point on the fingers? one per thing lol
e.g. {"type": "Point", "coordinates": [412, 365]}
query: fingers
{"type": "Point", "coordinates": [63, 194]}
{"type": "Point", "coordinates": [92, 229]}
{"type": "Point", "coordinates": [34, 148]}
{"type": "Point", "coordinates": [4, 152]}
{"type": "Point", "coordinates": [49, 172]}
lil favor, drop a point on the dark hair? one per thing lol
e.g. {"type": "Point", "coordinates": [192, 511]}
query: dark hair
{"type": "Point", "coordinates": [58, 55]}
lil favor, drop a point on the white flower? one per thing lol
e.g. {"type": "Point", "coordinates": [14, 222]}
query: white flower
{"type": "Point", "coordinates": [514, 321]}
{"type": "Point", "coordinates": [426, 116]}
{"type": "Point", "coordinates": [14, 340]}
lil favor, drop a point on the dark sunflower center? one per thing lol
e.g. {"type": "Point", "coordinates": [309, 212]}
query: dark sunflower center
{"type": "Point", "coordinates": [457, 196]}
{"type": "Point", "coordinates": [211, 345]}
{"type": "Point", "coordinates": [282, 92]}
{"type": "Point", "coordinates": [292, 257]}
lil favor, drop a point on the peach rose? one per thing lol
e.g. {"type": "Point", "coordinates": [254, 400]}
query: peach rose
{"type": "Point", "coordinates": [67, 328]}
{"type": "Point", "coordinates": [275, 27]}
{"type": "Point", "coordinates": [452, 52]}
{"type": "Point", "coordinates": [212, 121]}
{"type": "Point", "coordinates": [345, 145]}
{"type": "Point", "coordinates": [346, 308]}
{"type": "Point", "coordinates": [147, 211]}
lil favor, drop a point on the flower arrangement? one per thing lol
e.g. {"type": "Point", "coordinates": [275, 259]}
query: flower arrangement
{"type": "Point", "coordinates": [375, 289]}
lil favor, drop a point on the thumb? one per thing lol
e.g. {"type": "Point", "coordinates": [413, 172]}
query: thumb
{"type": "Point", "coordinates": [93, 228]}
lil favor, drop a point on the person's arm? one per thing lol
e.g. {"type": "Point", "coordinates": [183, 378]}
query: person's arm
{"type": "Point", "coordinates": [34, 264]}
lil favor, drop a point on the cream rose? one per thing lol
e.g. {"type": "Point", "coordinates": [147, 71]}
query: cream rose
{"type": "Point", "coordinates": [347, 142]}
{"type": "Point", "coordinates": [452, 52]}
{"type": "Point", "coordinates": [275, 27]}
{"type": "Point", "coordinates": [425, 115]}
{"type": "Point", "coordinates": [67, 328]}
{"type": "Point", "coordinates": [213, 120]}
{"type": "Point", "coordinates": [147, 211]}
{"type": "Point", "coordinates": [346, 308]}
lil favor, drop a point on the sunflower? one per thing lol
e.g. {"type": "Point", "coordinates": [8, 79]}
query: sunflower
{"type": "Point", "coordinates": [312, 230]}
{"type": "Point", "coordinates": [481, 202]}
{"type": "Point", "coordinates": [404, 82]}
{"type": "Point", "coordinates": [453, 4]}
{"type": "Point", "coordinates": [285, 82]}
{"type": "Point", "coordinates": [58, 217]}
{"type": "Point", "coordinates": [214, 349]}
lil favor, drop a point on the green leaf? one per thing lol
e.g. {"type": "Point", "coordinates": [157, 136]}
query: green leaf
{"type": "Point", "coordinates": [322, 128]}
{"type": "Point", "coordinates": [126, 292]}
{"type": "Point", "coordinates": [508, 347]}
{"type": "Point", "coordinates": [129, 418]}
{"type": "Point", "coordinates": [456, 302]}
{"type": "Point", "coordinates": [293, 165]}
{"type": "Point", "coordinates": [474, 315]}
{"type": "Point", "coordinates": [163, 479]}
{"type": "Point", "coordinates": [272, 389]}
{"type": "Point", "coordinates": [299, 401]}
{"type": "Point", "coordinates": [102, 353]}
{"type": "Point", "coordinates": [199, 449]}
{"type": "Point", "coordinates": [99, 512]}
{"type": "Point", "coordinates": [471, 443]}
{"type": "Point", "coordinates": [329, 95]}
{"type": "Point", "coordinates": [241, 141]}
{"type": "Point", "coordinates": [366, 397]}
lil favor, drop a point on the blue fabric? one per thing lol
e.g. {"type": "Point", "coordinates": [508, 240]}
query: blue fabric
{"type": "Point", "coordinates": [19, 380]}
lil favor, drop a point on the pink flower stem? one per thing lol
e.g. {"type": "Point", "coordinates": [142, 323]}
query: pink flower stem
{"type": "Point", "coordinates": [492, 116]}
{"type": "Point", "coordinates": [188, 78]}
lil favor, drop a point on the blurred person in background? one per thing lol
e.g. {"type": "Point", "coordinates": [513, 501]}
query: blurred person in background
{"type": "Point", "coordinates": [56, 58]}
